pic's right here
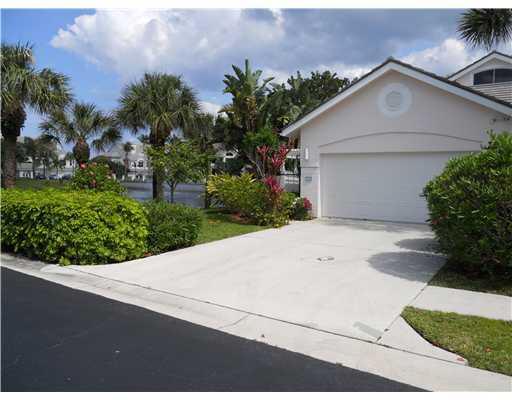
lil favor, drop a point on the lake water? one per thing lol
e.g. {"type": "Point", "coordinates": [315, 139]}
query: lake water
{"type": "Point", "coordinates": [189, 194]}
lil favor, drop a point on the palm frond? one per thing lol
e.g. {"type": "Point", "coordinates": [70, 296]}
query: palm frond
{"type": "Point", "coordinates": [486, 27]}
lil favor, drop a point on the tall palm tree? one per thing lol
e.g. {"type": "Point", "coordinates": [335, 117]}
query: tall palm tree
{"type": "Point", "coordinates": [23, 86]}
{"type": "Point", "coordinates": [249, 93]}
{"type": "Point", "coordinates": [486, 27]}
{"type": "Point", "coordinates": [158, 103]}
{"type": "Point", "coordinates": [127, 148]}
{"type": "Point", "coordinates": [84, 126]}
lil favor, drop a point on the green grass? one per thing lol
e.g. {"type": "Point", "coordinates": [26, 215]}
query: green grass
{"type": "Point", "coordinates": [485, 343]}
{"type": "Point", "coordinates": [452, 276]}
{"type": "Point", "coordinates": [37, 184]}
{"type": "Point", "coordinates": [218, 225]}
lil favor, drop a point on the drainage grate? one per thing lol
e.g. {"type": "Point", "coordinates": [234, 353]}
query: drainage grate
{"type": "Point", "coordinates": [326, 258]}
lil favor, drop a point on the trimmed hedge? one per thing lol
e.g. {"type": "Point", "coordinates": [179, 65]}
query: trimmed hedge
{"type": "Point", "coordinates": [81, 227]}
{"type": "Point", "coordinates": [470, 206]}
{"type": "Point", "coordinates": [172, 226]}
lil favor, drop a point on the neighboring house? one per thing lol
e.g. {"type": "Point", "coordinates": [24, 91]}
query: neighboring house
{"type": "Point", "coordinates": [368, 152]}
{"type": "Point", "coordinates": [138, 164]}
{"type": "Point", "coordinates": [25, 170]}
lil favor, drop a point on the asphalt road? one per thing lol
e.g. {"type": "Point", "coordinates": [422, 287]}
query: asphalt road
{"type": "Point", "coordinates": [59, 339]}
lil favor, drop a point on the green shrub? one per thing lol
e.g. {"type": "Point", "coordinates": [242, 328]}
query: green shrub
{"type": "Point", "coordinates": [248, 197]}
{"type": "Point", "coordinates": [470, 206]}
{"type": "Point", "coordinates": [96, 176]}
{"type": "Point", "coordinates": [287, 201]}
{"type": "Point", "coordinates": [81, 227]}
{"type": "Point", "coordinates": [172, 226]}
{"type": "Point", "coordinates": [301, 209]}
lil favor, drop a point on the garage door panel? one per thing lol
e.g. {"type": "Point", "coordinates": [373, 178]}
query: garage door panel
{"type": "Point", "coordinates": [383, 186]}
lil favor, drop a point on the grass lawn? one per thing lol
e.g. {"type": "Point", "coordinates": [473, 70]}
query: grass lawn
{"type": "Point", "coordinates": [485, 343]}
{"type": "Point", "coordinates": [218, 225]}
{"type": "Point", "coordinates": [451, 277]}
{"type": "Point", "coordinates": [26, 183]}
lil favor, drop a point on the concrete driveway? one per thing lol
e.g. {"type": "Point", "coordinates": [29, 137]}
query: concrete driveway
{"type": "Point", "coordinates": [372, 270]}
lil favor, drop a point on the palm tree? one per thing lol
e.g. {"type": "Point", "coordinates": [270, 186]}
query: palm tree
{"type": "Point", "coordinates": [486, 27]}
{"type": "Point", "coordinates": [127, 148]}
{"type": "Point", "coordinates": [158, 103]}
{"type": "Point", "coordinates": [247, 108]}
{"type": "Point", "coordinates": [23, 86]}
{"type": "Point", "coordinates": [84, 126]}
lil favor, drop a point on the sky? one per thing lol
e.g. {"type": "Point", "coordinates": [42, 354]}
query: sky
{"type": "Point", "coordinates": [103, 50]}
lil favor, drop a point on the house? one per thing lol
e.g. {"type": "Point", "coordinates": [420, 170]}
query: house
{"type": "Point", "coordinates": [25, 169]}
{"type": "Point", "coordinates": [138, 163]}
{"type": "Point", "coordinates": [368, 152]}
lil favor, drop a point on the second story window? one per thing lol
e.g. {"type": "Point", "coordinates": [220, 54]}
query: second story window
{"type": "Point", "coordinates": [498, 75]}
{"type": "Point", "coordinates": [141, 164]}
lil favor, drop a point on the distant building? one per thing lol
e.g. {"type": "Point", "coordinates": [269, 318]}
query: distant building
{"type": "Point", "coordinates": [138, 163]}
{"type": "Point", "coordinates": [25, 169]}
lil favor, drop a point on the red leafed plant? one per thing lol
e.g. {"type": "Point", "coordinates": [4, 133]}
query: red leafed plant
{"type": "Point", "coordinates": [272, 161]}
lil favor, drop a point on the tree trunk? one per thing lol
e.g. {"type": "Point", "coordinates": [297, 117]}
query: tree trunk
{"type": "Point", "coordinates": [81, 151]}
{"type": "Point", "coordinates": [173, 188]}
{"type": "Point", "coordinates": [10, 161]}
{"type": "Point", "coordinates": [206, 195]}
{"type": "Point", "coordinates": [158, 178]}
{"type": "Point", "coordinates": [12, 122]}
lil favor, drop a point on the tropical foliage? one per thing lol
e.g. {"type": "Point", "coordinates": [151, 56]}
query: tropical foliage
{"type": "Point", "coordinates": [97, 177]}
{"type": "Point", "coordinates": [83, 126]}
{"type": "Point", "coordinates": [486, 27]}
{"type": "Point", "coordinates": [287, 102]}
{"type": "Point", "coordinates": [24, 86]}
{"type": "Point", "coordinates": [160, 104]}
{"type": "Point", "coordinates": [248, 197]}
{"type": "Point", "coordinates": [470, 206]}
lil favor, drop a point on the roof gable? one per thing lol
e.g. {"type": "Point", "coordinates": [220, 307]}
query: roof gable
{"type": "Point", "coordinates": [411, 71]}
{"type": "Point", "coordinates": [494, 55]}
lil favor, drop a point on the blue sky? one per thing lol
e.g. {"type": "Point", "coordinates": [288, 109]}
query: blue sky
{"type": "Point", "coordinates": [102, 50]}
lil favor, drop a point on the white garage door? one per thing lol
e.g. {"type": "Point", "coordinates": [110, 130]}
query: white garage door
{"type": "Point", "coordinates": [380, 186]}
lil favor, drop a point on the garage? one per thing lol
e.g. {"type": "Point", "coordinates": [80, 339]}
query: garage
{"type": "Point", "coordinates": [368, 152]}
{"type": "Point", "coordinates": [378, 186]}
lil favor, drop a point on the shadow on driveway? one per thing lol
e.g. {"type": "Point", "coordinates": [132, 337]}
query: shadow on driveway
{"type": "Point", "coordinates": [412, 265]}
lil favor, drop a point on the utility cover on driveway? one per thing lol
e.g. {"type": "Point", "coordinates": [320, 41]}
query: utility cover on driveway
{"type": "Point", "coordinates": [376, 269]}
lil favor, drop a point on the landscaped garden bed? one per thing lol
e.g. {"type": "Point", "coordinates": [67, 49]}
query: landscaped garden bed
{"type": "Point", "coordinates": [485, 343]}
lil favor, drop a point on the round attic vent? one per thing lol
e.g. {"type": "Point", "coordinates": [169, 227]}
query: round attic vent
{"type": "Point", "coordinates": [394, 99]}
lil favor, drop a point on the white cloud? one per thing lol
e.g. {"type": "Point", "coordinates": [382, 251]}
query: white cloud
{"type": "Point", "coordinates": [210, 108]}
{"type": "Point", "coordinates": [131, 41]}
{"type": "Point", "coordinates": [450, 56]}
{"type": "Point", "coordinates": [279, 76]}
{"type": "Point", "coordinates": [342, 70]}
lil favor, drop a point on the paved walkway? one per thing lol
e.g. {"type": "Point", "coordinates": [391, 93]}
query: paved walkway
{"type": "Point", "coordinates": [465, 302]}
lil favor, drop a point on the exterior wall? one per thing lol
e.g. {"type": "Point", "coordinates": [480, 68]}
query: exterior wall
{"type": "Point", "coordinates": [435, 121]}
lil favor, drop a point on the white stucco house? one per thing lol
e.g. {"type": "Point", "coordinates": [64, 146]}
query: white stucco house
{"type": "Point", "coordinates": [368, 152]}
